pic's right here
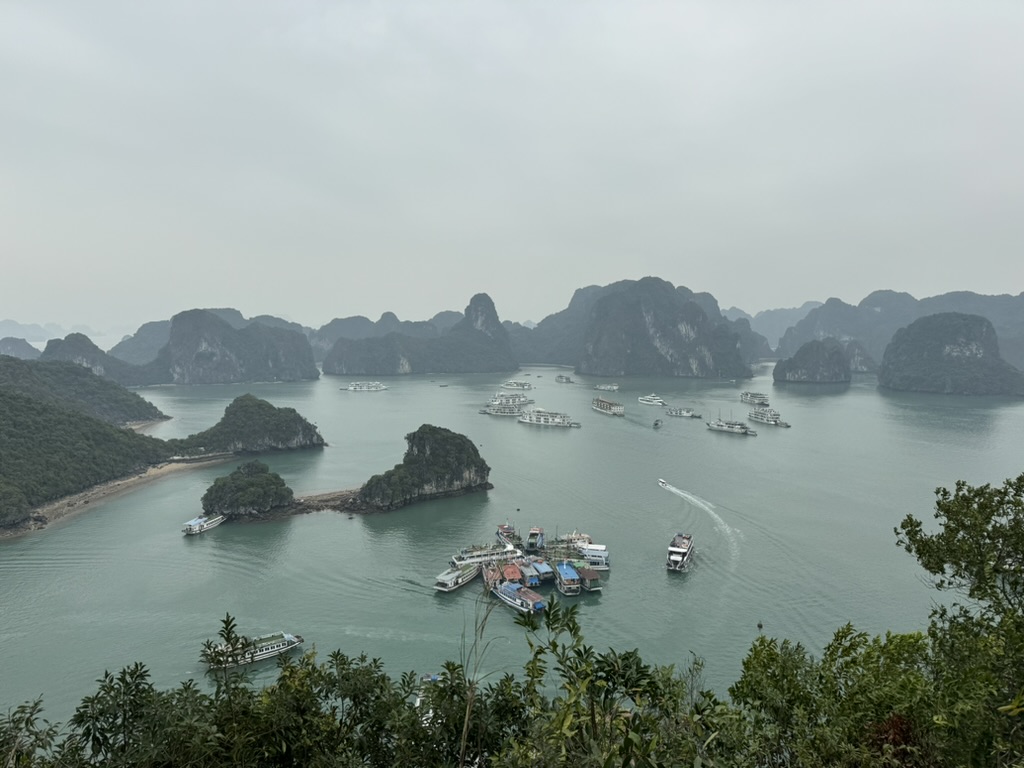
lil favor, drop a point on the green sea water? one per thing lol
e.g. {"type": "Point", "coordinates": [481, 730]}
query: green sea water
{"type": "Point", "coordinates": [793, 530]}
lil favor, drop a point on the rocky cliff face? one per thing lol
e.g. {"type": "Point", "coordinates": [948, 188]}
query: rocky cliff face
{"type": "Point", "coordinates": [948, 353]}
{"type": "Point", "coordinates": [438, 463]}
{"type": "Point", "coordinates": [205, 349]}
{"type": "Point", "coordinates": [816, 362]}
{"type": "Point", "coordinates": [649, 328]}
{"type": "Point", "coordinates": [18, 348]}
{"type": "Point", "coordinates": [79, 349]}
{"type": "Point", "coordinates": [477, 343]}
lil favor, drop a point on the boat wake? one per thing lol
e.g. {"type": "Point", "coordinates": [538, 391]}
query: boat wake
{"type": "Point", "coordinates": [723, 527]}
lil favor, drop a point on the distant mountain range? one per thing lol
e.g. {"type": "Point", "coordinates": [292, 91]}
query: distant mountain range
{"type": "Point", "coordinates": [631, 327]}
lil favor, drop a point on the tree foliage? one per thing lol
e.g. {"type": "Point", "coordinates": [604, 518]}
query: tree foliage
{"type": "Point", "coordinates": [250, 490]}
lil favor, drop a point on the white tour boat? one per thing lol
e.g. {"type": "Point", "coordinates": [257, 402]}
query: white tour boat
{"type": "Point", "coordinates": [680, 550]}
{"type": "Point", "coordinates": [453, 578]}
{"type": "Point", "coordinates": [754, 398]}
{"type": "Point", "coordinates": [607, 387]}
{"type": "Point", "coordinates": [732, 427]}
{"type": "Point", "coordinates": [518, 597]}
{"type": "Point", "coordinates": [365, 386]}
{"type": "Point", "coordinates": [510, 398]}
{"type": "Point", "coordinates": [596, 555]}
{"type": "Point", "coordinates": [609, 407]}
{"type": "Point", "coordinates": [767, 416]}
{"type": "Point", "coordinates": [202, 523]}
{"type": "Point", "coordinates": [651, 399]}
{"type": "Point", "coordinates": [259, 648]}
{"type": "Point", "coordinates": [502, 409]}
{"type": "Point", "coordinates": [686, 413]}
{"type": "Point", "coordinates": [544, 418]}
{"type": "Point", "coordinates": [517, 384]}
{"type": "Point", "coordinates": [484, 553]}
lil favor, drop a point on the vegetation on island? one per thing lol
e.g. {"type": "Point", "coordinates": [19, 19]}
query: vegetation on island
{"type": "Point", "coordinates": [252, 490]}
{"type": "Point", "coordinates": [437, 462]}
{"type": "Point", "coordinates": [950, 695]}
{"type": "Point", "coordinates": [821, 361]}
{"type": "Point", "coordinates": [62, 432]}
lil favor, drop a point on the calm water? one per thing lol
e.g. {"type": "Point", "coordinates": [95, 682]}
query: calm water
{"type": "Point", "coordinates": [793, 529]}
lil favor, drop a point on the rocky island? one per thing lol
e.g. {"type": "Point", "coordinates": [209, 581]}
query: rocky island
{"type": "Point", "coordinates": [816, 362]}
{"type": "Point", "coordinates": [948, 353]}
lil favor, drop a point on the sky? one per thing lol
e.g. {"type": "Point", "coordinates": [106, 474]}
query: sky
{"type": "Point", "coordinates": [315, 160]}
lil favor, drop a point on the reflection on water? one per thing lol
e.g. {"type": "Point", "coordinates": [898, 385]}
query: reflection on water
{"type": "Point", "coordinates": [792, 529]}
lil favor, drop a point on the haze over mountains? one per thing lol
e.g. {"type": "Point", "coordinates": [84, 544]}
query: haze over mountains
{"type": "Point", "coordinates": [630, 327]}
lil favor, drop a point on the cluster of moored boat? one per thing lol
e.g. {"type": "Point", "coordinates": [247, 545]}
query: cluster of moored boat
{"type": "Point", "coordinates": [514, 567]}
{"type": "Point", "coordinates": [514, 402]}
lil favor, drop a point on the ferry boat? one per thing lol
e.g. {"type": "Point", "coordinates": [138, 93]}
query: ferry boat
{"type": "Point", "coordinates": [651, 399]}
{"type": "Point", "coordinates": [607, 387]}
{"type": "Point", "coordinates": [680, 550]}
{"type": "Point", "coordinates": [567, 580]}
{"type": "Point", "coordinates": [365, 386]}
{"type": "Point", "coordinates": [563, 379]}
{"type": "Point", "coordinates": [535, 539]}
{"type": "Point", "coordinates": [259, 648]}
{"type": "Point", "coordinates": [502, 409]}
{"type": "Point", "coordinates": [510, 398]}
{"type": "Point", "coordinates": [453, 578]}
{"type": "Point", "coordinates": [544, 418]}
{"type": "Point", "coordinates": [484, 553]}
{"type": "Point", "coordinates": [517, 384]}
{"type": "Point", "coordinates": [202, 523]}
{"type": "Point", "coordinates": [732, 427]}
{"type": "Point", "coordinates": [686, 413]}
{"type": "Point", "coordinates": [767, 416]}
{"type": "Point", "coordinates": [609, 407]}
{"type": "Point", "coordinates": [754, 398]}
{"type": "Point", "coordinates": [517, 596]}
{"type": "Point", "coordinates": [596, 555]}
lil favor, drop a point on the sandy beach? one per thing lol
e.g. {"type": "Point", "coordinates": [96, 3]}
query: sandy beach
{"type": "Point", "coordinates": [81, 502]}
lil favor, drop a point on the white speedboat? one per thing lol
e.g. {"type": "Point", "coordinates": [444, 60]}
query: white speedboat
{"type": "Point", "coordinates": [517, 596]}
{"type": "Point", "coordinates": [731, 427]}
{"type": "Point", "coordinates": [544, 418]}
{"type": "Point", "coordinates": [651, 399]}
{"type": "Point", "coordinates": [680, 550]}
{"type": "Point", "coordinates": [754, 398]}
{"type": "Point", "coordinates": [202, 523]}
{"type": "Point", "coordinates": [453, 578]}
{"type": "Point", "coordinates": [609, 407]}
{"type": "Point", "coordinates": [257, 648]}
{"type": "Point", "coordinates": [767, 416]}
{"type": "Point", "coordinates": [365, 386]}
{"type": "Point", "coordinates": [517, 384]}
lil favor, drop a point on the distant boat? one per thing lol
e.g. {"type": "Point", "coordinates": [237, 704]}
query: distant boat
{"type": "Point", "coordinates": [607, 387]}
{"type": "Point", "coordinates": [651, 399]}
{"type": "Point", "coordinates": [259, 648]}
{"type": "Point", "coordinates": [657, 424]}
{"type": "Point", "coordinates": [516, 384]}
{"type": "Point", "coordinates": [754, 398]}
{"type": "Point", "coordinates": [202, 523]}
{"type": "Point", "coordinates": [563, 379]}
{"type": "Point", "coordinates": [731, 427]}
{"type": "Point", "coordinates": [686, 413]}
{"type": "Point", "coordinates": [365, 386]}
{"type": "Point", "coordinates": [601, 405]}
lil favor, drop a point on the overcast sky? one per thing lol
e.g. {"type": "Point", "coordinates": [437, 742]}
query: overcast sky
{"type": "Point", "coordinates": [325, 159]}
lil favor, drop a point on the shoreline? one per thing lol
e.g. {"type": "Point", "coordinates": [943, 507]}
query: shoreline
{"type": "Point", "coordinates": [82, 501]}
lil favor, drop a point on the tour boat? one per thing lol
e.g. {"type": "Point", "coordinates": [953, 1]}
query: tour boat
{"type": "Point", "coordinates": [563, 379]}
{"type": "Point", "coordinates": [517, 384]}
{"type": "Point", "coordinates": [601, 405]}
{"type": "Point", "coordinates": [502, 409]}
{"type": "Point", "coordinates": [507, 535]}
{"type": "Point", "coordinates": [531, 576]}
{"type": "Point", "coordinates": [365, 386]}
{"type": "Point", "coordinates": [767, 416]}
{"type": "Point", "coordinates": [484, 553]}
{"type": "Point", "coordinates": [607, 387]}
{"type": "Point", "coordinates": [596, 555]}
{"type": "Point", "coordinates": [544, 418]}
{"type": "Point", "coordinates": [731, 427]}
{"type": "Point", "coordinates": [651, 399]}
{"type": "Point", "coordinates": [535, 539]}
{"type": "Point", "coordinates": [453, 578]}
{"type": "Point", "coordinates": [518, 597]}
{"type": "Point", "coordinates": [754, 398]}
{"type": "Point", "coordinates": [567, 580]}
{"type": "Point", "coordinates": [686, 413]}
{"type": "Point", "coordinates": [680, 550]}
{"type": "Point", "coordinates": [202, 523]}
{"type": "Point", "coordinates": [590, 579]}
{"type": "Point", "coordinates": [510, 398]}
{"type": "Point", "coordinates": [258, 648]}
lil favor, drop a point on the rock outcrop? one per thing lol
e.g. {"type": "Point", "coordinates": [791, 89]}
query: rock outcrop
{"type": "Point", "coordinates": [948, 353]}
{"type": "Point", "coordinates": [478, 343]}
{"type": "Point", "coordinates": [438, 463]}
{"type": "Point", "coordinates": [816, 362]}
{"type": "Point", "coordinates": [251, 491]}
{"type": "Point", "coordinates": [18, 348]}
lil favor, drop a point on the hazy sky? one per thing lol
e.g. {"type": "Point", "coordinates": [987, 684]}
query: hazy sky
{"type": "Point", "coordinates": [324, 159]}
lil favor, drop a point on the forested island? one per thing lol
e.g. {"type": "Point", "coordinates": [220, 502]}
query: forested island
{"type": "Point", "coordinates": [950, 695]}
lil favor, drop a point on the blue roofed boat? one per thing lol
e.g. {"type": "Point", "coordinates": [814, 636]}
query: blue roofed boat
{"type": "Point", "coordinates": [544, 571]}
{"type": "Point", "coordinates": [530, 576]}
{"type": "Point", "coordinates": [567, 579]}
{"type": "Point", "coordinates": [518, 597]}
